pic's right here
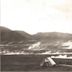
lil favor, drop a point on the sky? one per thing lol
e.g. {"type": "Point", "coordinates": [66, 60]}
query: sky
{"type": "Point", "coordinates": [34, 16]}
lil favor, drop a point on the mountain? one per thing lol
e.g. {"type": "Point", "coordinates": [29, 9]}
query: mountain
{"type": "Point", "coordinates": [20, 41]}
{"type": "Point", "coordinates": [4, 29]}
{"type": "Point", "coordinates": [8, 35]}
{"type": "Point", "coordinates": [28, 36]}
{"type": "Point", "coordinates": [53, 36]}
{"type": "Point", "coordinates": [52, 41]}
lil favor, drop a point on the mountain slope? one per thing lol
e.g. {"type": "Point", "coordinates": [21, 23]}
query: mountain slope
{"type": "Point", "coordinates": [8, 35]}
{"type": "Point", "coordinates": [24, 34]}
{"type": "Point", "coordinates": [52, 41]}
{"type": "Point", "coordinates": [51, 36]}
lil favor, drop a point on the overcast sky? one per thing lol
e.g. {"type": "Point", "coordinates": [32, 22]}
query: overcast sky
{"type": "Point", "coordinates": [35, 16]}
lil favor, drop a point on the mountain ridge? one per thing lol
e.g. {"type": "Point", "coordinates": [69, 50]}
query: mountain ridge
{"type": "Point", "coordinates": [12, 36]}
{"type": "Point", "coordinates": [43, 41]}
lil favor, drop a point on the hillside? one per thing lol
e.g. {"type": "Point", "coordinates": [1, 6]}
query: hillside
{"type": "Point", "coordinates": [28, 36]}
{"type": "Point", "coordinates": [8, 35]}
{"type": "Point", "coordinates": [53, 36]}
{"type": "Point", "coordinates": [22, 42]}
{"type": "Point", "coordinates": [52, 42]}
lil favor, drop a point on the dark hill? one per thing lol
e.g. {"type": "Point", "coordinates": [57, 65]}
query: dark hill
{"type": "Point", "coordinates": [21, 40]}
{"type": "Point", "coordinates": [8, 35]}
{"type": "Point", "coordinates": [51, 36]}
{"type": "Point", "coordinates": [4, 29]}
{"type": "Point", "coordinates": [28, 36]}
{"type": "Point", "coordinates": [52, 41]}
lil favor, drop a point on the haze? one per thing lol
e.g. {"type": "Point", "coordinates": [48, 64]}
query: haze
{"type": "Point", "coordinates": [35, 16]}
